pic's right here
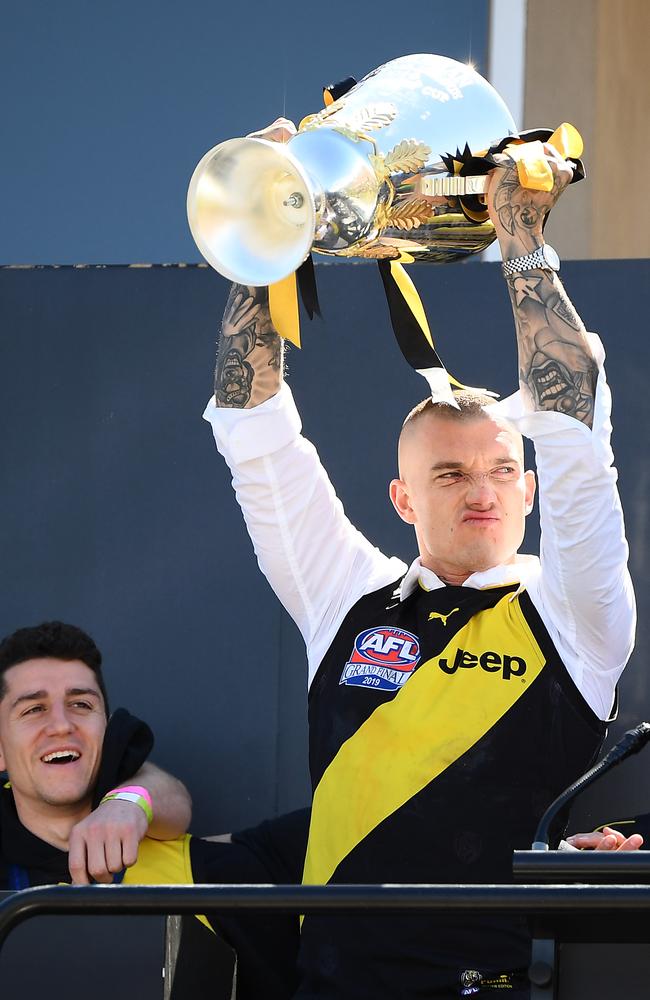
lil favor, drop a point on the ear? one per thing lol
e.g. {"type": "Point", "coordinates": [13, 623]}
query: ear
{"type": "Point", "coordinates": [401, 501]}
{"type": "Point", "coordinates": [531, 485]}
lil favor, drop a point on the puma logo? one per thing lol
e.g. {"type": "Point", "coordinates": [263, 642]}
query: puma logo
{"type": "Point", "coordinates": [443, 618]}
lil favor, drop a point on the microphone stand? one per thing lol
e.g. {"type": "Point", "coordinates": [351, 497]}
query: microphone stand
{"type": "Point", "coordinates": [632, 742]}
{"type": "Point", "coordinates": [542, 969]}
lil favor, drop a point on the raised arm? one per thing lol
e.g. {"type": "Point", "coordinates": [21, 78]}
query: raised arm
{"type": "Point", "coordinates": [250, 351]}
{"type": "Point", "coordinates": [556, 363]}
{"type": "Point", "coordinates": [565, 406]}
{"type": "Point", "coordinates": [317, 563]}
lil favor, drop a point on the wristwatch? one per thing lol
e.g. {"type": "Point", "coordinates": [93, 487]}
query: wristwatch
{"type": "Point", "coordinates": [544, 257]}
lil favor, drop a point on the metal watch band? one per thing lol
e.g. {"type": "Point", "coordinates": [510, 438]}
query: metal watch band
{"type": "Point", "coordinates": [532, 261]}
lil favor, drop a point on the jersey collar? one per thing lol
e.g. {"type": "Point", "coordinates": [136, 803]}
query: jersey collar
{"type": "Point", "coordinates": [519, 572]}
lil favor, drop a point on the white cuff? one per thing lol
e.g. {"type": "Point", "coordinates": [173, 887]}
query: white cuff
{"type": "Point", "coordinates": [242, 435]}
{"type": "Point", "coordinates": [561, 428]}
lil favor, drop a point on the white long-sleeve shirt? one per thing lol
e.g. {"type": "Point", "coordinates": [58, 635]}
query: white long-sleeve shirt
{"type": "Point", "coordinates": [319, 565]}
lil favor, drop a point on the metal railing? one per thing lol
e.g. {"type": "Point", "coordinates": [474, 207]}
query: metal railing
{"type": "Point", "coordinates": [563, 912]}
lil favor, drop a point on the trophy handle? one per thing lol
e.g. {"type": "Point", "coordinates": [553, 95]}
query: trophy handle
{"type": "Point", "coordinates": [437, 187]}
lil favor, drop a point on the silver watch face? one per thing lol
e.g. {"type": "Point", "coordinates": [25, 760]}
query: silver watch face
{"type": "Point", "coordinates": [551, 257]}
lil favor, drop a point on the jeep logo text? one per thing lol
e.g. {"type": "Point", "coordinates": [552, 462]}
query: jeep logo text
{"type": "Point", "coordinates": [508, 666]}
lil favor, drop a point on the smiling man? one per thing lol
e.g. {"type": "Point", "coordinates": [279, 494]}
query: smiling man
{"type": "Point", "coordinates": [53, 720]}
{"type": "Point", "coordinates": [52, 724]}
{"type": "Point", "coordinates": [63, 756]}
{"type": "Point", "coordinates": [450, 700]}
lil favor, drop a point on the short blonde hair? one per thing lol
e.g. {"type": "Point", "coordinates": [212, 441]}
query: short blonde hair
{"type": "Point", "coordinates": [470, 407]}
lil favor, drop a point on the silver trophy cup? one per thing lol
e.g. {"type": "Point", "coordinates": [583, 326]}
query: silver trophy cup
{"type": "Point", "coordinates": [375, 174]}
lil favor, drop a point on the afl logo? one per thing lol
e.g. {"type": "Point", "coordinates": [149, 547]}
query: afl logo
{"type": "Point", "coordinates": [382, 658]}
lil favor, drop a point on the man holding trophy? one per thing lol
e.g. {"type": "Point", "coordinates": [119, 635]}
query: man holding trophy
{"type": "Point", "coordinates": [452, 700]}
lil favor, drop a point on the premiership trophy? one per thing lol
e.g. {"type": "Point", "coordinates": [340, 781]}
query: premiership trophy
{"type": "Point", "coordinates": [386, 171]}
{"type": "Point", "coordinates": [393, 168]}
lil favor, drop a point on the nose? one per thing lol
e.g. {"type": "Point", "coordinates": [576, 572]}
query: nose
{"type": "Point", "coordinates": [480, 492]}
{"type": "Point", "coordinates": [59, 721]}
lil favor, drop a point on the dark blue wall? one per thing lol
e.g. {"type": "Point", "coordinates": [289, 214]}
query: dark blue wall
{"type": "Point", "coordinates": [107, 107]}
{"type": "Point", "coordinates": [116, 512]}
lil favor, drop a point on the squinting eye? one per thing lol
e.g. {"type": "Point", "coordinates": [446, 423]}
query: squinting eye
{"type": "Point", "coordinates": [82, 704]}
{"type": "Point", "coordinates": [33, 710]}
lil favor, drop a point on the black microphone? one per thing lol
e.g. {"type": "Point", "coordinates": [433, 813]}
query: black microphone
{"type": "Point", "coordinates": [632, 742]}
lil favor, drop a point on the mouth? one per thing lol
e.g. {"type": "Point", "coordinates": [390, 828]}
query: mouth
{"type": "Point", "coordinates": [59, 757]}
{"type": "Point", "coordinates": [550, 381]}
{"type": "Point", "coordinates": [482, 520]}
{"type": "Point", "coordinates": [232, 363]}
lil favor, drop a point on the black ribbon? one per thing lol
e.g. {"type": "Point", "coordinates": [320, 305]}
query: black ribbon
{"type": "Point", "coordinates": [336, 90]}
{"type": "Point", "coordinates": [306, 278]}
{"type": "Point", "coordinates": [411, 340]}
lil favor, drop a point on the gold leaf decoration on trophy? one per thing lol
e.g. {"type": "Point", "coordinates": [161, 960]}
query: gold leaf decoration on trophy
{"type": "Point", "coordinates": [407, 156]}
{"type": "Point", "coordinates": [379, 251]}
{"type": "Point", "coordinates": [355, 123]}
{"type": "Point", "coordinates": [409, 214]}
{"type": "Point", "coordinates": [313, 121]}
{"type": "Point", "coordinates": [372, 117]}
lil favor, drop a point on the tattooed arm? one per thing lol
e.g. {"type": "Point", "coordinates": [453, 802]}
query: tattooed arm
{"type": "Point", "coordinates": [556, 363]}
{"type": "Point", "coordinates": [249, 352]}
{"type": "Point", "coordinates": [583, 590]}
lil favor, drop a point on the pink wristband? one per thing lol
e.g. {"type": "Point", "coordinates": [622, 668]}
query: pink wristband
{"type": "Point", "coordinates": [136, 794]}
{"type": "Point", "coordinates": [136, 789]}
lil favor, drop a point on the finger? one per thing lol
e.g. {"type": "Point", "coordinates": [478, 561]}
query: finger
{"type": "Point", "coordinates": [633, 843]}
{"type": "Point", "coordinates": [281, 130]}
{"type": "Point", "coordinates": [562, 168]}
{"type": "Point", "coordinates": [114, 853]}
{"type": "Point", "coordinates": [550, 151]}
{"type": "Point", "coordinates": [609, 831]}
{"type": "Point", "coordinates": [97, 864]}
{"type": "Point", "coordinates": [77, 860]}
{"type": "Point", "coordinates": [608, 843]}
{"type": "Point", "coordinates": [130, 845]}
{"type": "Point", "coordinates": [554, 154]}
{"type": "Point", "coordinates": [585, 841]}
{"type": "Point", "coordinates": [284, 123]}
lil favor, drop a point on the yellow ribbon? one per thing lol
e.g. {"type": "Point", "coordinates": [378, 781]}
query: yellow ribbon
{"type": "Point", "coordinates": [532, 165]}
{"type": "Point", "coordinates": [283, 306]}
{"type": "Point", "coordinates": [410, 293]}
